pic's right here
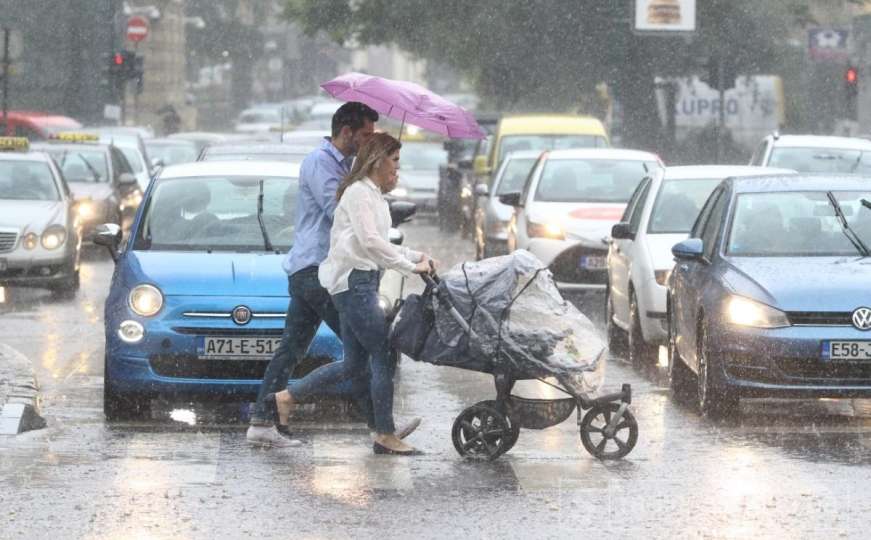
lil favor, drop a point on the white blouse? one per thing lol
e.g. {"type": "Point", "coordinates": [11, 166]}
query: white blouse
{"type": "Point", "coordinates": [358, 239]}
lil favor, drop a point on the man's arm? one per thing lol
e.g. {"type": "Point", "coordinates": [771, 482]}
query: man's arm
{"type": "Point", "coordinates": [324, 184]}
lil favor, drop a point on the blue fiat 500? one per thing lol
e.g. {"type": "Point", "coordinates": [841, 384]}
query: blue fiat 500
{"type": "Point", "coordinates": [198, 298]}
{"type": "Point", "coordinates": [770, 294]}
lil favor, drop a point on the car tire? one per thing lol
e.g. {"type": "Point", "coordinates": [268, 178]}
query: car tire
{"type": "Point", "coordinates": [680, 379]}
{"type": "Point", "coordinates": [714, 400]}
{"type": "Point", "coordinates": [66, 288]}
{"type": "Point", "coordinates": [641, 354]}
{"type": "Point", "coordinates": [617, 343]}
{"type": "Point", "coordinates": [117, 406]}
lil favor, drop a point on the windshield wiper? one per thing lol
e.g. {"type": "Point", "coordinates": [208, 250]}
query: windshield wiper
{"type": "Point", "coordinates": [91, 168]}
{"type": "Point", "coordinates": [866, 203]}
{"type": "Point", "coordinates": [848, 232]}
{"type": "Point", "coordinates": [266, 243]}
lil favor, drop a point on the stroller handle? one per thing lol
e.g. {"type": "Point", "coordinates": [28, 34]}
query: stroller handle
{"type": "Point", "coordinates": [432, 281]}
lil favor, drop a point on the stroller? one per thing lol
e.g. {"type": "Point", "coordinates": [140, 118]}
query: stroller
{"type": "Point", "coordinates": [505, 316]}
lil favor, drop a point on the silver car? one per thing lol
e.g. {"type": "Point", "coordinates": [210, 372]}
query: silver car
{"type": "Point", "coordinates": [40, 236]}
{"type": "Point", "coordinates": [491, 216]}
{"type": "Point", "coordinates": [419, 175]}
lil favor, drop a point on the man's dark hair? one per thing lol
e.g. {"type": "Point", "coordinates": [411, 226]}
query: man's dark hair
{"type": "Point", "coordinates": [352, 114]}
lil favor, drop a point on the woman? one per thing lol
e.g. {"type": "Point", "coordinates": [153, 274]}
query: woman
{"type": "Point", "coordinates": [359, 252]}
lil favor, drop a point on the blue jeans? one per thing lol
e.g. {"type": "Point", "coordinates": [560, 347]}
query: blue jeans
{"type": "Point", "coordinates": [309, 304]}
{"type": "Point", "coordinates": [364, 337]}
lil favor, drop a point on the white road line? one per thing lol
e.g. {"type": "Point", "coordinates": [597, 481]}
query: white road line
{"type": "Point", "coordinates": [158, 461]}
{"type": "Point", "coordinates": [345, 463]}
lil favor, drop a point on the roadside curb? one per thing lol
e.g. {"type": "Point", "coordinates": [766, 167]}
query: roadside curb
{"type": "Point", "coordinates": [19, 393]}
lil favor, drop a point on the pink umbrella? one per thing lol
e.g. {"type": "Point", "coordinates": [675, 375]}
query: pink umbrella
{"type": "Point", "coordinates": [406, 102]}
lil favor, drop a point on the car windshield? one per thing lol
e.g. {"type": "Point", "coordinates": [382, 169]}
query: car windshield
{"type": "Point", "coordinates": [821, 160]}
{"type": "Point", "coordinates": [517, 143]}
{"type": "Point", "coordinates": [133, 157]}
{"type": "Point", "coordinates": [799, 224]}
{"type": "Point", "coordinates": [591, 180]}
{"type": "Point", "coordinates": [27, 181]}
{"type": "Point", "coordinates": [678, 204]}
{"type": "Point", "coordinates": [423, 156]}
{"type": "Point", "coordinates": [173, 154]}
{"type": "Point", "coordinates": [82, 165]}
{"type": "Point", "coordinates": [514, 175]}
{"type": "Point", "coordinates": [219, 214]}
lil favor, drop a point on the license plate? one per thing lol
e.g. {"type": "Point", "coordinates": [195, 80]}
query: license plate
{"type": "Point", "coordinates": [847, 350]}
{"type": "Point", "coordinates": [237, 348]}
{"type": "Point", "coordinates": [3, 265]}
{"type": "Point", "coordinates": [594, 262]}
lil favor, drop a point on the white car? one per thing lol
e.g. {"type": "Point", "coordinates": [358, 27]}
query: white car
{"type": "Point", "coordinates": [659, 215]}
{"type": "Point", "coordinates": [814, 154]}
{"type": "Point", "coordinates": [567, 207]}
{"type": "Point", "coordinates": [40, 234]}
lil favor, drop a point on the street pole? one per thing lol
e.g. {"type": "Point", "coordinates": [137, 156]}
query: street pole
{"type": "Point", "coordinates": [6, 63]}
{"type": "Point", "coordinates": [721, 124]}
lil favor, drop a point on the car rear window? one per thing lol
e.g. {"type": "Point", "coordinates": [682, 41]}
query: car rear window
{"type": "Point", "coordinates": [591, 180]}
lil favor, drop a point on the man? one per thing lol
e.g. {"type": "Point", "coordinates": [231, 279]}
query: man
{"type": "Point", "coordinates": [310, 304]}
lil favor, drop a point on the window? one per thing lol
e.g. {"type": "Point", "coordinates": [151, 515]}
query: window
{"type": "Point", "coordinates": [516, 143]}
{"type": "Point", "coordinates": [678, 203]}
{"type": "Point", "coordinates": [713, 224]}
{"type": "Point", "coordinates": [638, 209]}
{"type": "Point", "coordinates": [27, 181]}
{"type": "Point", "coordinates": [591, 180]}
{"type": "Point", "coordinates": [822, 160]}
{"type": "Point", "coordinates": [515, 174]}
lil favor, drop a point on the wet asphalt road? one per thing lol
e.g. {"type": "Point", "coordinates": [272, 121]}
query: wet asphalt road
{"type": "Point", "coordinates": [780, 470]}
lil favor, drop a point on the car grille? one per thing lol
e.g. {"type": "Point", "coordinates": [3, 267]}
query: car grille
{"type": "Point", "coordinates": [566, 267]}
{"type": "Point", "coordinates": [813, 369]}
{"type": "Point", "coordinates": [7, 241]}
{"type": "Point", "coordinates": [211, 331]}
{"type": "Point", "coordinates": [820, 318]}
{"type": "Point", "coordinates": [191, 367]}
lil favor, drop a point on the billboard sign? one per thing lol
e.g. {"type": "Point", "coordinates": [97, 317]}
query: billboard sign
{"type": "Point", "coordinates": [828, 45]}
{"type": "Point", "coordinates": [665, 15]}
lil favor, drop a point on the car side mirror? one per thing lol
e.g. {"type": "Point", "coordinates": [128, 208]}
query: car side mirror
{"type": "Point", "coordinates": [126, 179]}
{"type": "Point", "coordinates": [691, 249]}
{"type": "Point", "coordinates": [108, 235]}
{"type": "Point", "coordinates": [480, 165]}
{"type": "Point", "coordinates": [482, 190]}
{"type": "Point", "coordinates": [510, 199]}
{"type": "Point", "coordinates": [401, 212]}
{"type": "Point", "coordinates": [395, 236]}
{"type": "Point", "coordinates": [621, 231]}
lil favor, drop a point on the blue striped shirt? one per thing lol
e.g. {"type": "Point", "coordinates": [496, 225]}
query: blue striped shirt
{"type": "Point", "coordinates": [319, 177]}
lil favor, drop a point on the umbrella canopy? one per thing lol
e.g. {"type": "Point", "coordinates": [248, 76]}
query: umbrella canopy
{"type": "Point", "coordinates": [406, 102]}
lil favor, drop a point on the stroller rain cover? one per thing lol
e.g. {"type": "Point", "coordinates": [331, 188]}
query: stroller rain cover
{"type": "Point", "coordinates": [520, 325]}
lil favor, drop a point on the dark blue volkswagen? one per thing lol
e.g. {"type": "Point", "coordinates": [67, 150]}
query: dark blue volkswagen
{"type": "Point", "coordinates": [771, 294]}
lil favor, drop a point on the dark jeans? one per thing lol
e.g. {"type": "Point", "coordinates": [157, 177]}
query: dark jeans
{"type": "Point", "coordinates": [364, 336]}
{"type": "Point", "coordinates": [309, 305]}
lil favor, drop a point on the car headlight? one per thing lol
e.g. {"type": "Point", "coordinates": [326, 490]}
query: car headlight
{"type": "Point", "coordinates": [399, 192]}
{"type": "Point", "coordinates": [87, 210]}
{"type": "Point", "coordinates": [54, 237]}
{"type": "Point", "coordinates": [662, 276]}
{"type": "Point", "coordinates": [745, 312]}
{"type": "Point", "coordinates": [145, 300]}
{"type": "Point", "coordinates": [30, 241]}
{"type": "Point", "coordinates": [545, 230]}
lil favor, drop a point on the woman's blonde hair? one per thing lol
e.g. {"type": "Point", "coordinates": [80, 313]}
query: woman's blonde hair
{"type": "Point", "coordinates": [379, 146]}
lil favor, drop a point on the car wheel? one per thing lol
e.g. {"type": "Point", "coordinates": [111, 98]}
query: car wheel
{"type": "Point", "coordinates": [616, 336]}
{"type": "Point", "coordinates": [641, 353]}
{"type": "Point", "coordinates": [715, 400]}
{"type": "Point", "coordinates": [67, 288]}
{"type": "Point", "coordinates": [117, 406]}
{"type": "Point", "coordinates": [680, 378]}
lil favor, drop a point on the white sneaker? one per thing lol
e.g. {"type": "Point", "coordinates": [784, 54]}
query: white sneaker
{"type": "Point", "coordinates": [404, 430]}
{"type": "Point", "coordinates": [269, 436]}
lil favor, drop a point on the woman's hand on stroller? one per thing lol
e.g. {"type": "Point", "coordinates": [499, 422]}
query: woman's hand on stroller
{"type": "Point", "coordinates": [425, 266]}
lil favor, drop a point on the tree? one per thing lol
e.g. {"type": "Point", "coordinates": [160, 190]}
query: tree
{"type": "Point", "coordinates": [550, 54]}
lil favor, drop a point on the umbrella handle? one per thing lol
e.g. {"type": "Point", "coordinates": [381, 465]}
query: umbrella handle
{"type": "Point", "coordinates": [401, 127]}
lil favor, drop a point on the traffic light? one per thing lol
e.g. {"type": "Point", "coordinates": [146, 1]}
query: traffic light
{"type": "Point", "coordinates": [712, 78]}
{"type": "Point", "coordinates": [851, 91]}
{"type": "Point", "coordinates": [119, 67]}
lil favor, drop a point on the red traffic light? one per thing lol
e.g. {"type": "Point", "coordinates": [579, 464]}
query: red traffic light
{"type": "Point", "coordinates": [851, 76]}
{"type": "Point", "coordinates": [118, 59]}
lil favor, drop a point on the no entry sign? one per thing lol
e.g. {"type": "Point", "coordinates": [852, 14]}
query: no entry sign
{"type": "Point", "coordinates": [137, 28]}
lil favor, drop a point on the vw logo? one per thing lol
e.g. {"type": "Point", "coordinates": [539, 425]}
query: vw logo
{"type": "Point", "coordinates": [241, 315]}
{"type": "Point", "coordinates": [862, 318]}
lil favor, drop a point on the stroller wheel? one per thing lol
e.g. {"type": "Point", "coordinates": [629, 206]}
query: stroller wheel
{"type": "Point", "coordinates": [515, 427]}
{"type": "Point", "coordinates": [481, 432]}
{"type": "Point", "coordinates": [603, 444]}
